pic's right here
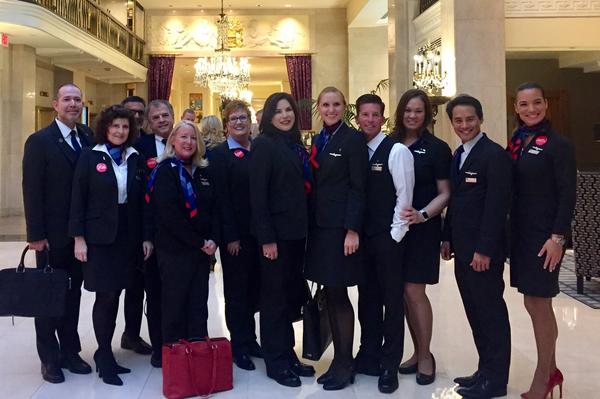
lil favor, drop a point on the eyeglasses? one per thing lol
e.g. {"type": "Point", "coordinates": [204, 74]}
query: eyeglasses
{"type": "Point", "coordinates": [241, 118]}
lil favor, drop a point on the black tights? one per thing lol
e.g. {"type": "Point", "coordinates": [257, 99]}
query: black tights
{"type": "Point", "coordinates": [104, 316]}
{"type": "Point", "coordinates": [341, 319]}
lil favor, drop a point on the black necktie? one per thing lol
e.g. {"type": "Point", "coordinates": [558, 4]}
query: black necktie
{"type": "Point", "coordinates": [74, 142]}
{"type": "Point", "coordinates": [164, 141]}
{"type": "Point", "coordinates": [457, 156]}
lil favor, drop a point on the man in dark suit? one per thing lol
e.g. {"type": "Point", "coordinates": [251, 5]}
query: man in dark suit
{"type": "Point", "coordinates": [160, 117]}
{"type": "Point", "coordinates": [137, 105]}
{"type": "Point", "coordinates": [48, 164]}
{"type": "Point", "coordinates": [474, 230]}
{"type": "Point", "coordinates": [134, 294]}
{"type": "Point", "coordinates": [390, 186]}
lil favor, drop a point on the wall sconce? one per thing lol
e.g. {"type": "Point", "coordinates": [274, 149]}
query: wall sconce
{"type": "Point", "coordinates": [428, 74]}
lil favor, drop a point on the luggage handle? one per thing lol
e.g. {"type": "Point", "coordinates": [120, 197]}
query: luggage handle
{"type": "Point", "coordinates": [188, 352]}
{"type": "Point", "coordinates": [21, 267]}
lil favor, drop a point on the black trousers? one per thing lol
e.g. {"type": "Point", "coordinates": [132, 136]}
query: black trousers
{"type": "Point", "coordinates": [383, 289]}
{"type": "Point", "coordinates": [280, 295]}
{"type": "Point", "coordinates": [482, 296]}
{"type": "Point", "coordinates": [56, 336]}
{"type": "Point", "coordinates": [134, 304]}
{"type": "Point", "coordinates": [184, 277]}
{"type": "Point", "coordinates": [153, 288]}
{"type": "Point", "coordinates": [241, 286]}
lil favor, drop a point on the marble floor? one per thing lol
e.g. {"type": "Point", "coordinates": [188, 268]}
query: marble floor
{"type": "Point", "coordinates": [578, 353]}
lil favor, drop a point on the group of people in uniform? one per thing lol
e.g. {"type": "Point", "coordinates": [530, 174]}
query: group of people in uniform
{"type": "Point", "coordinates": [125, 209]}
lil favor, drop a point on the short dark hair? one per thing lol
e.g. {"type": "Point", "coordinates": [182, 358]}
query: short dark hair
{"type": "Point", "coordinates": [188, 110]}
{"type": "Point", "coordinates": [464, 99]}
{"type": "Point", "coordinates": [399, 131]}
{"type": "Point", "coordinates": [269, 109]}
{"type": "Point", "coordinates": [233, 106]}
{"type": "Point", "coordinates": [66, 85]}
{"type": "Point", "coordinates": [107, 116]}
{"type": "Point", "coordinates": [133, 99]}
{"type": "Point", "coordinates": [157, 104]}
{"type": "Point", "coordinates": [369, 99]}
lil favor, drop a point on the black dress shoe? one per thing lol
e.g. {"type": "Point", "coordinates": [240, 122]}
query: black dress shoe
{"type": "Point", "coordinates": [467, 381]}
{"type": "Point", "coordinates": [388, 381]}
{"type": "Point", "coordinates": [482, 389]}
{"type": "Point", "coordinates": [255, 350]}
{"type": "Point", "coordinates": [52, 373]}
{"type": "Point", "coordinates": [286, 378]}
{"type": "Point", "coordinates": [138, 345]}
{"type": "Point", "coordinates": [410, 369]}
{"type": "Point", "coordinates": [326, 376]}
{"type": "Point", "coordinates": [243, 361]}
{"type": "Point", "coordinates": [339, 380]}
{"type": "Point", "coordinates": [75, 364]}
{"type": "Point", "coordinates": [301, 369]}
{"type": "Point", "coordinates": [426, 379]}
{"type": "Point", "coordinates": [156, 360]}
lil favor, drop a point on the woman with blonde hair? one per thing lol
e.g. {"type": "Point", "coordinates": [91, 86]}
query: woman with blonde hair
{"type": "Point", "coordinates": [187, 227]}
{"type": "Point", "coordinates": [212, 132]}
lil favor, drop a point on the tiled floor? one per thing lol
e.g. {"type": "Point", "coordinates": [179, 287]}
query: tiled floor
{"type": "Point", "coordinates": [578, 353]}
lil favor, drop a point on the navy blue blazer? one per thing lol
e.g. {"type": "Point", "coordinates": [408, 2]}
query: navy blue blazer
{"type": "Point", "coordinates": [479, 204]}
{"type": "Point", "coordinates": [48, 165]}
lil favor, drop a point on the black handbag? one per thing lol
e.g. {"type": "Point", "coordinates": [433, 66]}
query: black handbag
{"type": "Point", "coordinates": [32, 292]}
{"type": "Point", "coordinates": [316, 332]}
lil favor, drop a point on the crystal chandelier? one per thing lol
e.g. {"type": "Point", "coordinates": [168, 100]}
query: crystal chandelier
{"type": "Point", "coordinates": [223, 73]}
{"type": "Point", "coordinates": [428, 75]}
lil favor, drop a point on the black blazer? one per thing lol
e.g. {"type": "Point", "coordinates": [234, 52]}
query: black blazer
{"type": "Point", "coordinates": [175, 231]}
{"type": "Point", "coordinates": [232, 178]}
{"type": "Point", "coordinates": [338, 198]}
{"type": "Point", "coordinates": [48, 165]}
{"type": "Point", "coordinates": [94, 200]}
{"type": "Point", "coordinates": [277, 196]}
{"type": "Point", "coordinates": [479, 204]}
{"type": "Point", "coordinates": [146, 145]}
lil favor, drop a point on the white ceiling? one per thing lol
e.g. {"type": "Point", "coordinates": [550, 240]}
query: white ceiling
{"type": "Point", "coordinates": [243, 4]}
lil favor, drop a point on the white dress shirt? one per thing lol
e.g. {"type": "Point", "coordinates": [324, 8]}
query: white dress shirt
{"type": "Point", "coordinates": [120, 170]}
{"type": "Point", "coordinates": [402, 168]}
{"type": "Point", "coordinates": [66, 132]}
{"type": "Point", "coordinates": [468, 146]}
{"type": "Point", "coordinates": [160, 147]}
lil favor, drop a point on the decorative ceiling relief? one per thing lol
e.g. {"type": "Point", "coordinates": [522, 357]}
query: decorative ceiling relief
{"type": "Point", "coordinates": [266, 33]}
{"type": "Point", "coordinates": [551, 8]}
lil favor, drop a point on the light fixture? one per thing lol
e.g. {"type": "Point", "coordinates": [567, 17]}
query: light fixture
{"type": "Point", "coordinates": [428, 74]}
{"type": "Point", "coordinates": [223, 73]}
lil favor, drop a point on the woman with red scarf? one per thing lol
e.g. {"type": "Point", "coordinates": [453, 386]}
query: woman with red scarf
{"type": "Point", "coordinates": [543, 203]}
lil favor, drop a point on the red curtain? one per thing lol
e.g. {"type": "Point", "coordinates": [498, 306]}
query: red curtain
{"type": "Point", "coordinates": [299, 71]}
{"type": "Point", "coordinates": [160, 76]}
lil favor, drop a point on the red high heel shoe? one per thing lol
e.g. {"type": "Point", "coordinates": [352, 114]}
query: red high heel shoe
{"type": "Point", "coordinates": [556, 378]}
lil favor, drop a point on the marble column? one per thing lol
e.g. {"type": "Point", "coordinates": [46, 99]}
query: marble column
{"type": "Point", "coordinates": [16, 123]}
{"type": "Point", "coordinates": [473, 54]}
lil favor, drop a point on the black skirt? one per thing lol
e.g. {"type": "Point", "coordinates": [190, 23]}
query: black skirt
{"type": "Point", "coordinates": [527, 272]}
{"type": "Point", "coordinates": [325, 260]}
{"type": "Point", "coordinates": [110, 267]}
{"type": "Point", "coordinates": [422, 254]}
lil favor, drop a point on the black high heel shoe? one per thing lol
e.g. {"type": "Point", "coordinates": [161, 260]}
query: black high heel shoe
{"type": "Point", "coordinates": [119, 369]}
{"type": "Point", "coordinates": [106, 368]}
{"type": "Point", "coordinates": [426, 379]}
{"type": "Point", "coordinates": [339, 378]}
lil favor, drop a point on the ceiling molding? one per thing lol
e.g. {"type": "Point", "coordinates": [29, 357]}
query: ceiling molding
{"type": "Point", "coordinates": [551, 8]}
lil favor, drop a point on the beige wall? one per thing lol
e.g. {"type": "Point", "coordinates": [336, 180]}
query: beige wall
{"type": "Point", "coordinates": [368, 62]}
{"type": "Point", "coordinates": [44, 82]}
{"type": "Point", "coordinates": [330, 60]}
{"type": "Point", "coordinates": [582, 95]}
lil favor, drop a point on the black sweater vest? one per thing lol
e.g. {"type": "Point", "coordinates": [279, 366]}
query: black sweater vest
{"type": "Point", "coordinates": [381, 192]}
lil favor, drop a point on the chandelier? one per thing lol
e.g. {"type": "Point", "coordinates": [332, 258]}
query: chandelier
{"type": "Point", "coordinates": [223, 73]}
{"type": "Point", "coordinates": [428, 75]}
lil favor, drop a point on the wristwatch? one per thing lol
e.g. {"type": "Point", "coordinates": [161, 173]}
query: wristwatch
{"type": "Point", "coordinates": [424, 213]}
{"type": "Point", "coordinates": [559, 240]}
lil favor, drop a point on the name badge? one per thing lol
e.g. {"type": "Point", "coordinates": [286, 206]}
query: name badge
{"type": "Point", "coordinates": [420, 151]}
{"type": "Point", "coordinates": [533, 151]}
{"type": "Point", "coordinates": [471, 180]}
{"type": "Point", "coordinates": [335, 154]}
{"type": "Point", "coordinates": [204, 182]}
{"type": "Point", "coordinates": [377, 167]}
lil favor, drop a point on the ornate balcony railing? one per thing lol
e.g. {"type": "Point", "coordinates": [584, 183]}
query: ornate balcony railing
{"type": "Point", "coordinates": [89, 17]}
{"type": "Point", "coordinates": [425, 4]}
